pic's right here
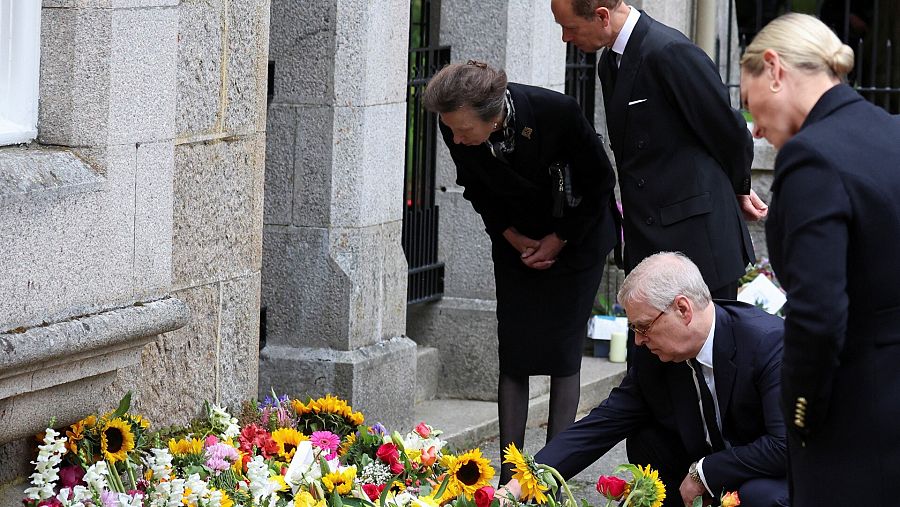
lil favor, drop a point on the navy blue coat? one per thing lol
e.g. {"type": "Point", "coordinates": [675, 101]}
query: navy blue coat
{"type": "Point", "coordinates": [746, 365]}
{"type": "Point", "coordinates": [834, 240]}
{"type": "Point", "coordinates": [682, 154]}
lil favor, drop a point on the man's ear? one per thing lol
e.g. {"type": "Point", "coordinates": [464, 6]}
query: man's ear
{"type": "Point", "coordinates": [603, 15]}
{"type": "Point", "coordinates": [684, 309]}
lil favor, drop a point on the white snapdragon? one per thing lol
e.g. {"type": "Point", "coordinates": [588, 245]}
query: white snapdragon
{"type": "Point", "coordinates": [46, 467]}
{"type": "Point", "coordinates": [197, 488]}
{"type": "Point", "coordinates": [95, 477]}
{"type": "Point", "coordinates": [160, 463]}
{"type": "Point", "coordinates": [168, 494]}
{"type": "Point", "coordinates": [262, 488]}
{"type": "Point", "coordinates": [219, 417]}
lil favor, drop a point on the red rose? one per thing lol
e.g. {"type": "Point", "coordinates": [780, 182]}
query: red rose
{"type": "Point", "coordinates": [388, 453]}
{"type": "Point", "coordinates": [373, 491]}
{"type": "Point", "coordinates": [484, 496]}
{"type": "Point", "coordinates": [397, 467]}
{"type": "Point", "coordinates": [611, 487]}
{"type": "Point", "coordinates": [423, 430]}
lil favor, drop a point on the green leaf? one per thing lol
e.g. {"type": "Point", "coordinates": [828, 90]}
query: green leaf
{"type": "Point", "coordinates": [441, 490]}
{"type": "Point", "coordinates": [628, 467]}
{"type": "Point", "coordinates": [124, 405]}
{"type": "Point", "coordinates": [336, 499]}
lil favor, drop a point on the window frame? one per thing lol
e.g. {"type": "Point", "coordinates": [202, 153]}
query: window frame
{"type": "Point", "coordinates": [20, 44]}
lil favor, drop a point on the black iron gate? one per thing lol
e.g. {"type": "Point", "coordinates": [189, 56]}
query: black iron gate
{"type": "Point", "coordinates": [581, 72]}
{"type": "Point", "coordinates": [420, 216]}
{"type": "Point", "coordinates": [870, 27]}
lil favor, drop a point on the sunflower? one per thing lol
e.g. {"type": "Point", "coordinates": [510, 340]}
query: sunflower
{"type": "Point", "coordinates": [141, 421]}
{"type": "Point", "coordinates": [329, 405]}
{"type": "Point", "coordinates": [185, 446]}
{"type": "Point", "coordinates": [116, 440]}
{"type": "Point", "coordinates": [224, 500]}
{"type": "Point", "coordinates": [341, 480]}
{"type": "Point", "coordinates": [525, 472]}
{"type": "Point", "coordinates": [470, 472]}
{"type": "Point", "coordinates": [305, 499]}
{"type": "Point", "coordinates": [287, 439]}
{"type": "Point", "coordinates": [349, 440]}
{"type": "Point", "coordinates": [647, 489]}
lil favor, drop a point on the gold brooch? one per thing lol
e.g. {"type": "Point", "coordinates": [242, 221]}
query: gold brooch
{"type": "Point", "coordinates": [527, 132]}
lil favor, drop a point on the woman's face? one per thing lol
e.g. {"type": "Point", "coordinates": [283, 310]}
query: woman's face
{"type": "Point", "coordinates": [467, 127]}
{"type": "Point", "coordinates": [773, 114]}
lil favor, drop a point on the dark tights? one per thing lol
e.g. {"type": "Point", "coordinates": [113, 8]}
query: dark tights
{"type": "Point", "coordinates": [512, 401]}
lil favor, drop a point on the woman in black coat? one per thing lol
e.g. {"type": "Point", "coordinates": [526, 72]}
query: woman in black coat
{"type": "Point", "coordinates": [834, 241]}
{"type": "Point", "coordinates": [548, 247]}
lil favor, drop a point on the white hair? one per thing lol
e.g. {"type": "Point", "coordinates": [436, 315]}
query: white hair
{"type": "Point", "coordinates": [662, 277]}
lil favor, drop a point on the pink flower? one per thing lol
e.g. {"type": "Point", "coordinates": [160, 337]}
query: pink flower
{"type": "Point", "coordinates": [211, 440]}
{"type": "Point", "coordinates": [484, 496]}
{"type": "Point", "coordinates": [423, 430]}
{"type": "Point", "coordinates": [429, 456]}
{"type": "Point", "coordinates": [731, 500]}
{"type": "Point", "coordinates": [325, 440]}
{"type": "Point", "coordinates": [219, 457]}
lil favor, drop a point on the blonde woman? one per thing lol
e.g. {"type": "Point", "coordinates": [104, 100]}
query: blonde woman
{"type": "Point", "coordinates": [834, 240]}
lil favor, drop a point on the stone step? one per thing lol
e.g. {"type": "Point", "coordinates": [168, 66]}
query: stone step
{"type": "Point", "coordinates": [428, 373]}
{"type": "Point", "coordinates": [466, 423]}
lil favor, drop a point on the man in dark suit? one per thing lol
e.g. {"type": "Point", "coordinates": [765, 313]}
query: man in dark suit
{"type": "Point", "coordinates": [682, 152]}
{"type": "Point", "coordinates": [690, 348]}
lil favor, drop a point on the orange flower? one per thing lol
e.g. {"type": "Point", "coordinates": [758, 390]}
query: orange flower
{"type": "Point", "coordinates": [731, 499]}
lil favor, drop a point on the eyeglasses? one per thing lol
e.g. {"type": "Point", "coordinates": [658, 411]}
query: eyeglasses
{"type": "Point", "coordinates": [646, 330]}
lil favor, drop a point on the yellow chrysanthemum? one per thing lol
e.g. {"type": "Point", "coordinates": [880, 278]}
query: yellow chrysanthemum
{"type": "Point", "coordinates": [287, 439]}
{"type": "Point", "coordinates": [470, 472]}
{"type": "Point", "coordinates": [648, 489]}
{"type": "Point", "coordinates": [342, 480]}
{"type": "Point", "coordinates": [305, 499]}
{"type": "Point", "coordinates": [348, 442]}
{"type": "Point", "coordinates": [525, 474]}
{"type": "Point", "coordinates": [116, 440]}
{"type": "Point", "coordinates": [185, 446]}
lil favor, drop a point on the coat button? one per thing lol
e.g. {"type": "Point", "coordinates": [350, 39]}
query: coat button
{"type": "Point", "coordinates": [640, 144]}
{"type": "Point", "coordinates": [641, 183]}
{"type": "Point", "coordinates": [649, 220]}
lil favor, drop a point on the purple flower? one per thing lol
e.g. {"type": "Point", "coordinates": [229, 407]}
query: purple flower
{"type": "Point", "coordinates": [220, 457]}
{"type": "Point", "coordinates": [378, 429]}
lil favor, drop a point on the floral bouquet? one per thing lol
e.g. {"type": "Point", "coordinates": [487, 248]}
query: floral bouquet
{"type": "Point", "coordinates": [645, 489]}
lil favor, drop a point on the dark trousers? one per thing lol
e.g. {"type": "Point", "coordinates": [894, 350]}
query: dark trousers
{"type": "Point", "coordinates": [727, 292]}
{"type": "Point", "coordinates": [663, 451]}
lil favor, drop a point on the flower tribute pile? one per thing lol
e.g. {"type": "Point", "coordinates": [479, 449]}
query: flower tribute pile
{"type": "Point", "coordinates": [280, 452]}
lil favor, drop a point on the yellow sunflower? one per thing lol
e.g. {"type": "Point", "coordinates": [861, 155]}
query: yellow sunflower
{"type": "Point", "coordinates": [225, 500]}
{"type": "Point", "coordinates": [342, 480]}
{"type": "Point", "coordinates": [348, 442]}
{"type": "Point", "coordinates": [525, 473]}
{"type": "Point", "coordinates": [185, 446]}
{"type": "Point", "coordinates": [470, 472]}
{"type": "Point", "coordinates": [305, 499]}
{"type": "Point", "coordinates": [331, 405]}
{"type": "Point", "coordinates": [287, 439]}
{"type": "Point", "coordinates": [116, 440]}
{"type": "Point", "coordinates": [647, 489]}
{"type": "Point", "coordinates": [140, 420]}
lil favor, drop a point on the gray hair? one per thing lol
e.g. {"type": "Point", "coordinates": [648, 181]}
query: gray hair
{"type": "Point", "coordinates": [802, 42]}
{"type": "Point", "coordinates": [662, 277]}
{"type": "Point", "coordinates": [474, 84]}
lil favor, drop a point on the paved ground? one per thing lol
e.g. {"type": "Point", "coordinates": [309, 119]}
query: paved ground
{"type": "Point", "coordinates": [583, 484]}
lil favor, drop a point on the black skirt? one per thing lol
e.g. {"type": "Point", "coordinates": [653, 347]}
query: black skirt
{"type": "Point", "coordinates": [542, 317]}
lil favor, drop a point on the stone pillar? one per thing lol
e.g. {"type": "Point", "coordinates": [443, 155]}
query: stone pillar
{"type": "Point", "coordinates": [521, 37]}
{"type": "Point", "coordinates": [678, 15]}
{"type": "Point", "coordinates": [334, 273]}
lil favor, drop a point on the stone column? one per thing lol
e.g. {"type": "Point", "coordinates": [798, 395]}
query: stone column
{"type": "Point", "coordinates": [678, 15]}
{"type": "Point", "coordinates": [334, 274]}
{"type": "Point", "coordinates": [521, 37]}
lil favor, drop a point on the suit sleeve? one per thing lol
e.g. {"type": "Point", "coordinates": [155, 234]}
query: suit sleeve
{"type": "Point", "coordinates": [592, 174]}
{"type": "Point", "coordinates": [812, 218]}
{"type": "Point", "coordinates": [767, 455]}
{"type": "Point", "coordinates": [591, 437]}
{"type": "Point", "coordinates": [493, 215]}
{"type": "Point", "coordinates": [695, 88]}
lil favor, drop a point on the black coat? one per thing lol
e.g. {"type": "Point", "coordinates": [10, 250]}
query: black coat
{"type": "Point", "coordinates": [682, 153]}
{"type": "Point", "coordinates": [746, 365]}
{"type": "Point", "coordinates": [542, 314]}
{"type": "Point", "coordinates": [549, 127]}
{"type": "Point", "coordinates": [834, 240]}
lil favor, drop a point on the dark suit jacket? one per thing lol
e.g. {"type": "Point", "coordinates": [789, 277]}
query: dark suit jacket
{"type": "Point", "coordinates": [834, 239]}
{"type": "Point", "coordinates": [746, 365]}
{"type": "Point", "coordinates": [549, 126]}
{"type": "Point", "coordinates": [682, 154]}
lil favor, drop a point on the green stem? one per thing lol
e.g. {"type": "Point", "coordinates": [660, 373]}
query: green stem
{"type": "Point", "coordinates": [562, 482]}
{"type": "Point", "coordinates": [625, 503]}
{"type": "Point", "coordinates": [115, 482]}
{"type": "Point", "coordinates": [130, 473]}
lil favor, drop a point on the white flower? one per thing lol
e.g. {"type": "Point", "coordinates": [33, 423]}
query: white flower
{"type": "Point", "coordinates": [46, 472]}
{"type": "Point", "coordinates": [220, 418]}
{"type": "Point", "coordinates": [160, 463]}
{"type": "Point", "coordinates": [95, 476]}
{"type": "Point", "coordinates": [262, 488]}
{"type": "Point", "coordinates": [304, 467]}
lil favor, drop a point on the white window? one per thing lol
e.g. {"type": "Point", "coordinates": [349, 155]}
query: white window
{"type": "Point", "coordinates": [20, 27]}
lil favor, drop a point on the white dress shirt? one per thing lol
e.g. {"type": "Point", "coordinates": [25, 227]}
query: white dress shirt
{"type": "Point", "coordinates": [705, 358]}
{"type": "Point", "coordinates": [621, 42]}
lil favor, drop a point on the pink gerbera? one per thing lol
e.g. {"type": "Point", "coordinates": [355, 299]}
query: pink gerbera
{"type": "Point", "coordinates": [325, 440]}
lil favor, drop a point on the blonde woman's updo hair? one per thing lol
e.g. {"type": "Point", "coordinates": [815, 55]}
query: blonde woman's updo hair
{"type": "Point", "coordinates": [802, 42]}
{"type": "Point", "coordinates": [473, 84]}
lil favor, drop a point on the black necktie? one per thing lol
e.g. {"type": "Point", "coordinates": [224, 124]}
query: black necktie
{"type": "Point", "coordinates": [707, 407]}
{"type": "Point", "coordinates": [613, 67]}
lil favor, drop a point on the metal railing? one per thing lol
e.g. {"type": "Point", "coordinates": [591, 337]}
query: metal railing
{"type": "Point", "coordinates": [420, 213]}
{"type": "Point", "coordinates": [581, 78]}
